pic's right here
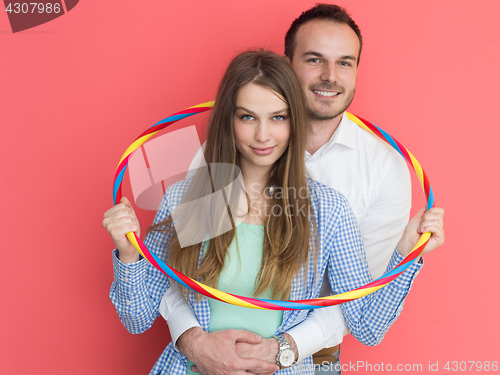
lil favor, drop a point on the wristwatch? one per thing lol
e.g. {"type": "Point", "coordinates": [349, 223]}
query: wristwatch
{"type": "Point", "coordinates": [286, 355]}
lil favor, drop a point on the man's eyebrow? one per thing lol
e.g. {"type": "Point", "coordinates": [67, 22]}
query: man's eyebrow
{"type": "Point", "coordinates": [348, 57]}
{"type": "Point", "coordinates": [317, 54]}
{"type": "Point", "coordinates": [312, 53]}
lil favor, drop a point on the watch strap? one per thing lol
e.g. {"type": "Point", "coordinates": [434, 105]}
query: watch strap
{"type": "Point", "coordinates": [283, 344]}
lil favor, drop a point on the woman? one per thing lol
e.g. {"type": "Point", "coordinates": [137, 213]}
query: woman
{"type": "Point", "coordinates": [285, 231]}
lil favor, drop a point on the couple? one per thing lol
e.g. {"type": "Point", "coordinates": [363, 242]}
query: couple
{"type": "Point", "coordinates": [262, 123]}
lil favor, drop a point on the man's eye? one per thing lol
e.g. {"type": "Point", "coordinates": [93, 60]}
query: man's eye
{"type": "Point", "coordinates": [314, 60]}
{"type": "Point", "coordinates": [345, 63]}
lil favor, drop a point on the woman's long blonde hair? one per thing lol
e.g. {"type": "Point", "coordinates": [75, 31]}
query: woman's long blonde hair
{"type": "Point", "coordinates": [288, 236]}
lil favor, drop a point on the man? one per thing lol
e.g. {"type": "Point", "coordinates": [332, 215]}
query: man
{"type": "Point", "coordinates": [324, 46]}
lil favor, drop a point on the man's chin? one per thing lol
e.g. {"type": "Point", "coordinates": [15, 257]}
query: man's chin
{"type": "Point", "coordinates": [315, 115]}
{"type": "Point", "coordinates": [319, 116]}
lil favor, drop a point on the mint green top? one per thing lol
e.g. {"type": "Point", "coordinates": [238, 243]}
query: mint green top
{"type": "Point", "coordinates": [238, 277]}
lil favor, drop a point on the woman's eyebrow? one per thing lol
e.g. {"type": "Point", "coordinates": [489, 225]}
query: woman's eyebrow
{"type": "Point", "coordinates": [253, 113]}
{"type": "Point", "coordinates": [280, 111]}
{"type": "Point", "coordinates": [246, 110]}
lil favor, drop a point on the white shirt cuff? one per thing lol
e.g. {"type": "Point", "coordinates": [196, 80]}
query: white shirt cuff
{"type": "Point", "coordinates": [323, 328]}
{"type": "Point", "coordinates": [307, 336]}
{"type": "Point", "coordinates": [178, 314]}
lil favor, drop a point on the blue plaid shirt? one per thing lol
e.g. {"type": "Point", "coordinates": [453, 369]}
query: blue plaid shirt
{"type": "Point", "coordinates": [138, 287]}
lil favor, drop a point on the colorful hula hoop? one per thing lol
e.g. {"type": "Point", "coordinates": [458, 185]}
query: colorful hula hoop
{"type": "Point", "coordinates": [262, 303]}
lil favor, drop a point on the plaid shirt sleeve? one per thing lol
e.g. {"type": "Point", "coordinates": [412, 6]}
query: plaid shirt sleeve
{"type": "Point", "coordinates": [369, 317]}
{"type": "Point", "coordinates": [138, 287]}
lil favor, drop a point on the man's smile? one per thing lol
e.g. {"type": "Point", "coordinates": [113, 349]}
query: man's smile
{"type": "Point", "coordinates": [326, 93]}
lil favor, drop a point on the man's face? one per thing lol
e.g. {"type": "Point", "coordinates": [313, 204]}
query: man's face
{"type": "Point", "coordinates": [325, 61]}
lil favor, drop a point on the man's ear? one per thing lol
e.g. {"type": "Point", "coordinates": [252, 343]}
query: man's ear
{"type": "Point", "coordinates": [287, 59]}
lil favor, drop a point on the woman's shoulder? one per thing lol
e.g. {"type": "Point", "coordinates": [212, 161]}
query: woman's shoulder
{"type": "Point", "coordinates": [175, 192]}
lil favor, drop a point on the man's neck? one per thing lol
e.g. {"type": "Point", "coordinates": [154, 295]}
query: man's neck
{"type": "Point", "coordinates": [320, 132]}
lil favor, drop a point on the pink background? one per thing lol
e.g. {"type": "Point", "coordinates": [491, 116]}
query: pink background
{"type": "Point", "coordinates": [76, 91]}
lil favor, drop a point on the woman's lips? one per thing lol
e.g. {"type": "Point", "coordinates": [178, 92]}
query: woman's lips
{"type": "Point", "coordinates": [262, 150]}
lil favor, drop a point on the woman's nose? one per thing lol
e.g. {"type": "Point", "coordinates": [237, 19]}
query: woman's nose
{"type": "Point", "coordinates": [263, 134]}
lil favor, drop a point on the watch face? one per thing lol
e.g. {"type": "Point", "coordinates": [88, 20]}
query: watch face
{"type": "Point", "coordinates": [287, 357]}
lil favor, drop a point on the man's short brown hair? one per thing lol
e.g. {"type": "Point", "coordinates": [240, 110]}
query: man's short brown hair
{"type": "Point", "coordinates": [320, 12]}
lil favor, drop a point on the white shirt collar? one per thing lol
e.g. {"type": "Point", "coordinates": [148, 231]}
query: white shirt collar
{"type": "Point", "coordinates": [344, 135]}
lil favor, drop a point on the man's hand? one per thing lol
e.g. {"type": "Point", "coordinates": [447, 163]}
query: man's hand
{"type": "Point", "coordinates": [422, 222]}
{"type": "Point", "coordinates": [266, 350]}
{"type": "Point", "coordinates": [215, 353]}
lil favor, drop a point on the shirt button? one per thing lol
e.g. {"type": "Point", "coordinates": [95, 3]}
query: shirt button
{"type": "Point", "coordinates": [128, 303]}
{"type": "Point", "coordinates": [126, 272]}
{"type": "Point", "coordinates": [125, 280]}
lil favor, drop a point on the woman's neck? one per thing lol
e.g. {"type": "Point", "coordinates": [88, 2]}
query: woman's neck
{"type": "Point", "coordinates": [255, 181]}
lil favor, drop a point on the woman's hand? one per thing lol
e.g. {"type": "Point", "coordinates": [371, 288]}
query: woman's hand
{"type": "Point", "coordinates": [118, 221]}
{"type": "Point", "coordinates": [422, 222]}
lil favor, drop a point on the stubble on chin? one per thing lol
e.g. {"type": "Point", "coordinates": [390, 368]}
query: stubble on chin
{"type": "Point", "coordinates": [314, 115]}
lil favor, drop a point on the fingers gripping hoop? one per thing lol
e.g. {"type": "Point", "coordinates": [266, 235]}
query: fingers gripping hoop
{"type": "Point", "coordinates": [257, 303]}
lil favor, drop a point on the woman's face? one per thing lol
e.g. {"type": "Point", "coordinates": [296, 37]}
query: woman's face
{"type": "Point", "coordinates": [261, 126]}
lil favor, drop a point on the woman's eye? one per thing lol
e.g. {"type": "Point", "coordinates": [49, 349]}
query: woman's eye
{"type": "Point", "coordinates": [279, 118]}
{"type": "Point", "coordinates": [246, 117]}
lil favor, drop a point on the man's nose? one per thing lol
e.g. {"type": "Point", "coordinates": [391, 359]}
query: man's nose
{"type": "Point", "coordinates": [329, 73]}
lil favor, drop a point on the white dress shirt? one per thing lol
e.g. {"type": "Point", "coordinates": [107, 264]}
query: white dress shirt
{"type": "Point", "coordinates": [375, 180]}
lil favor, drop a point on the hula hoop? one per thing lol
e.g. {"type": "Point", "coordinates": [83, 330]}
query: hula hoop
{"type": "Point", "coordinates": [265, 304]}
